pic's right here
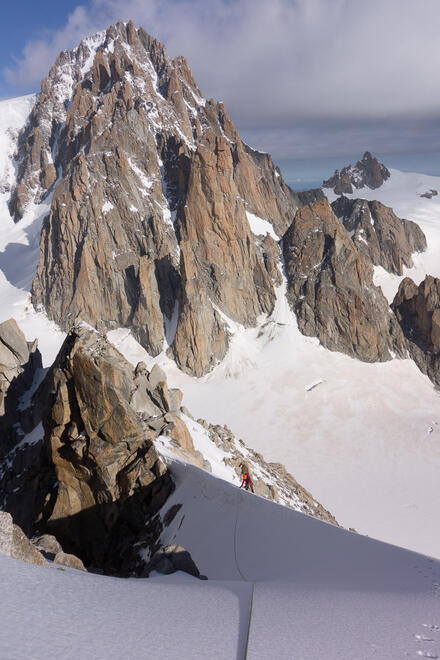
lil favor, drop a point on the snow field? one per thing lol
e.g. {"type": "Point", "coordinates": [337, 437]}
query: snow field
{"type": "Point", "coordinates": [317, 592]}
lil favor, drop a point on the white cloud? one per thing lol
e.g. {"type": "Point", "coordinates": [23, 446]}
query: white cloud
{"type": "Point", "coordinates": [284, 64]}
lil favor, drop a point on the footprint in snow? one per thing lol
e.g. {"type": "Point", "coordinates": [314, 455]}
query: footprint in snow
{"type": "Point", "coordinates": [422, 638]}
{"type": "Point", "coordinates": [426, 654]}
{"type": "Point", "coordinates": [431, 626]}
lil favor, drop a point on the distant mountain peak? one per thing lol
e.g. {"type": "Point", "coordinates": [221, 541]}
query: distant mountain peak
{"type": "Point", "coordinates": [367, 172]}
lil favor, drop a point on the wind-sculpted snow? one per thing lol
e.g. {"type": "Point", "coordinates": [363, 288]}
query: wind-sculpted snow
{"type": "Point", "coordinates": [280, 584]}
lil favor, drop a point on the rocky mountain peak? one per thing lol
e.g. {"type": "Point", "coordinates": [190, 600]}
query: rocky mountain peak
{"type": "Point", "coordinates": [367, 172]}
{"type": "Point", "coordinates": [149, 186]}
{"type": "Point", "coordinates": [330, 287]}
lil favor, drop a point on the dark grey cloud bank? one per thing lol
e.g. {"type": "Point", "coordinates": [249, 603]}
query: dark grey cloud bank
{"type": "Point", "coordinates": [302, 79]}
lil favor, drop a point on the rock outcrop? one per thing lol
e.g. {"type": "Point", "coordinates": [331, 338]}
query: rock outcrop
{"type": "Point", "coordinates": [94, 481]}
{"type": "Point", "coordinates": [331, 290]}
{"type": "Point", "coordinates": [271, 480]}
{"type": "Point", "coordinates": [150, 185]}
{"type": "Point", "coordinates": [51, 549]}
{"type": "Point", "coordinates": [417, 309]}
{"type": "Point", "coordinates": [170, 559]}
{"type": "Point", "coordinates": [14, 543]}
{"type": "Point", "coordinates": [429, 194]}
{"type": "Point", "coordinates": [367, 172]}
{"type": "Point", "coordinates": [19, 362]}
{"type": "Point", "coordinates": [387, 240]}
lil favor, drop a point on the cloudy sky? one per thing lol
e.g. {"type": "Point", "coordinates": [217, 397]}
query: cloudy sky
{"type": "Point", "coordinates": [315, 82]}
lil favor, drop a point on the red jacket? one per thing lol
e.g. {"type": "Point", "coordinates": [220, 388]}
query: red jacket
{"type": "Point", "coordinates": [246, 480]}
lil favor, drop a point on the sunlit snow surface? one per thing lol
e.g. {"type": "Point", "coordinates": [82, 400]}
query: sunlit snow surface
{"type": "Point", "coordinates": [316, 592]}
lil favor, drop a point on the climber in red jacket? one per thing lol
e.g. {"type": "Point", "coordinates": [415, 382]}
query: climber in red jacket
{"type": "Point", "coordinates": [247, 482]}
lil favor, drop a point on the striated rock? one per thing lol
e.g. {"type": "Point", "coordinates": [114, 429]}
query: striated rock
{"type": "Point", "coordinates": [367, 172]}
{"type": "Point", "coordinates": [417, 309]}
{"type": "Point", "coordinates": [13, 340]}
{"type": "Point", "coordinates": [178, 431]}
{"type": "Point", "coordinates": [331, 290]}
{"type": "Point", "coordinates": [385, 239]}
{"type": "Point", "coordinates": [221, 264]}
{"type": "Point", "coordinates": [148, 210]}
{"type": "Point", "coordinates": [14, 543]}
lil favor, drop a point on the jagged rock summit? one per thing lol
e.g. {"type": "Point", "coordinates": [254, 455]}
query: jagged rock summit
{"type": "Point", "coordinates": [150, 185]}
{"type": "Point", "coordinates": [157, 209]}
{"type": "Point", "coordinates": [330, 287]}
{"type": "Point", "coordinates": [376, 230]}
{"type": "Point", "coordinates": [367, 172]}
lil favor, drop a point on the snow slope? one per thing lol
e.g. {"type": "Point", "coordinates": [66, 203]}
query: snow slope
{"type": "Point", "coordinates": [364, 439]}
{"type": "Point", "coordinates": [281, 585]}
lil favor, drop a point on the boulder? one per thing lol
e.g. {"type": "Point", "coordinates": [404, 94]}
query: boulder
{"type": "Point", "coordinates": [170, 559]}
{"type": "Point", "coordinates": [64, 559]}
{"type": "Point", "coordinates": [14, 542]}
{"type": "Point", "coordinates": [12, 337]}
{"type": "Point", "coordinates": [156, 376]}
{"type": "Point", "coordinates": [48, 545]}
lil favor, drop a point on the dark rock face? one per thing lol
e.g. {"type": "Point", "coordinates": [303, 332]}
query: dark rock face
{"type": "Point", "coordinates": [417, 309]}
{"type": "Point", "coordinates": [95, 481]}
{"type": "Point", "coordinates": [150, 186]}
{"type": "Point", "coordinates": [367, 172]}
{"type": "Point", "coordinates": [170, 559]}
{"type": "Point", "coordinates": [377, 232]}
{"type": "Point", "coordinates": [19, 362]}
{"type": "Point", "coordinates": [331, 290]}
